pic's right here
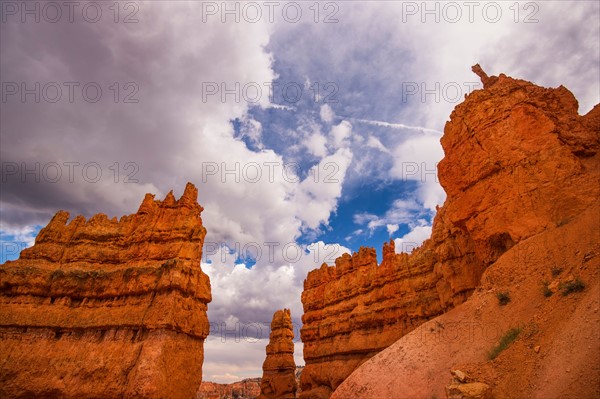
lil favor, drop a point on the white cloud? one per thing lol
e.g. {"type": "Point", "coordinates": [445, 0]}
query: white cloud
{"type": "Point", "coordinates": [241, 313]}
{"type": "Point", "coordinates": [416, 159]}
{"type": "Point", "coordinates": [340, 134]}
{"type": "Point", "coordinates": [373, 142]}
{"type": "Point", "coordinates": [316, 144]}
{"type": "Point", "coordinates": [25, 234]}
{"type": "Point", "coordinates": [317, 195]}
{"type": "Point", "coordinates": [252, 130]}
{"type": "Point", "coordinates": [402, 211]}
{"type": "Point", "coordinates": [282, 267]}
{"type": "Point", "coordinates": [326, 113]}
{"type": "Point", "coordinates": [413, 238]}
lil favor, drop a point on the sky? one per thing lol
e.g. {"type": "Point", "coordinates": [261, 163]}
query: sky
{"type": "Point", "coordinates": [310, 128]}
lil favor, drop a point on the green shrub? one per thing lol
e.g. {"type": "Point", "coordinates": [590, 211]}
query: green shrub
{"type": "Point", "coordinates": [503, 297]}
{"type": "Point", "coordinates": [556, 271]}
{"type": "Point", "coordinates": [508, 338]}
{"type": "Point", "coordinates": [572, 286]}
{"type": "Point", "coordinates": [546, 290]}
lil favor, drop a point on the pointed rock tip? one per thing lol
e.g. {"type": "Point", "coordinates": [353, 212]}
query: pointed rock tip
{"type": "Point", "coordinates": [485, 79]}
{"type": "Point", "coordinates": [478, 70]}
{"type": "Point", "coordinates": [61, 217]}
{"type": "Point", "coordinates": [389, 248]}
{"type": "Point", "coordinates": [147, 204]}
{"type": "Point", "coordinates": [170, 199]}
{"type": "Point", "coordinates": [189, 198]}
{"type": "Point", "coordinates": [391, 244]}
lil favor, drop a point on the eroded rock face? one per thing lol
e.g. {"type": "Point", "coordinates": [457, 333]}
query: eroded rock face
{"type": "Point", "coordinates": [245, 389]}
{"type": "Point", "coordinates": [517, 161]}
{"type": "Point", "coordinates": [105, 308]}
{"type": "Point", "coordinates": [279, 368]}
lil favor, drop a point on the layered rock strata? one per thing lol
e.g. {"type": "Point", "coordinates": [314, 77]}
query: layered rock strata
{"type": "Point", "coordinates": [517, 162]}
{"type": "Point", "coordinates": [279, 368]}
{"type": "Point", "coordinates": [106, 308]}
{"type": "Point", "coordinates": [245, 389]}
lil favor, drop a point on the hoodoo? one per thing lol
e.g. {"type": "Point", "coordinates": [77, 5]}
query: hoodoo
{"type": "Point", "coordinates": [519, 161]}
{"type": "Point", "coordinates": [104, 308]}
{"type": "Point", "coordinates": [279, 369]}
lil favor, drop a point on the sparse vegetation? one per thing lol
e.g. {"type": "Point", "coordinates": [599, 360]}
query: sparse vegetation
{"type": "Point", "coordinates": [503, 297]}
{"type": "Point", "coordinates": [556, 271]}
{"type": "Point", "coordinates": [576, 285]}
{"type": "Point", "coordinates": [546, 290]}
{"type": "Point", "coordinates": [508, 338]}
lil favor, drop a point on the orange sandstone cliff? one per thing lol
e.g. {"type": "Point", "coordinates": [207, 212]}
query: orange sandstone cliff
{"type": "Point", "coordinates": [519, 162]}
{"type": "Point", "coordinates": [279, 368]}
{"type": "Point", "coordinates": [105, 308]}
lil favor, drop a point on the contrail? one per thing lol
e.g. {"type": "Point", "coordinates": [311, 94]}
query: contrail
{"type": "Point", "coordinates": [394, 125]}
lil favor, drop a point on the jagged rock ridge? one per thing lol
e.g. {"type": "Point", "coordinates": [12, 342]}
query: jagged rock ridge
{"type": "Point", "coordinates": [105, 308]}
{"type": "Point", "coordinates": [245, 389]}
{"type": "Point", "coordinates": [517, 162]}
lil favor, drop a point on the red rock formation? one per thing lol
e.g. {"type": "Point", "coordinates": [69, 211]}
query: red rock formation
{"type": "Point", "coordinates": [517, 162]}
{"type": "Point", "coordinates": [105, 308]}
{"type": "Point", "coordinates": [245, 389]}
{"type": "Point", "coordinates": [557, 353]}
{"type": "Point", "coordinates": [279, 368]}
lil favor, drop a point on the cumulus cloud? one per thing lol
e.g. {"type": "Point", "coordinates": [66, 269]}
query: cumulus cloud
{"type": "Point", "coordinates": [420, 231]}
{"type": "Point", "coordinates": [166, 67]}
{"type": "Point", "coordinates": [241, 301]}
{"type": "Point", "coordinates": [317, 145]}
{"type": "Point", "coordinates": [317, 195]}
{"type": "Point", "coordinates": [241, 313]}
{"type": "Point", "coordinates": [340, 134]}
{"type": "Point", "coordinates": [402, 211]}
{"type": "Point", "coordinates": [416, 159]}
{"type": "Point", "coordinates": [326, 113]}
{"type": "Point", "coordinates": [25, 234]}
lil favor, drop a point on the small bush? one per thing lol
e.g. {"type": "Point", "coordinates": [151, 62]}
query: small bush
{"type": "Point", "coordinates": [546, 290]}
{"type": "Point", "coordinates": [572, 286]}
{"type": "Point", "coordinates": [556, 271]}
{"type": "Point", "coordinates": [503, 297]}
{"type": "Point", "coordinates": [508, 338]}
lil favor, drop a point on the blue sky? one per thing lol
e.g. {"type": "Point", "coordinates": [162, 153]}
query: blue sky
{"type": "Point", "coordinates": [364, 149]}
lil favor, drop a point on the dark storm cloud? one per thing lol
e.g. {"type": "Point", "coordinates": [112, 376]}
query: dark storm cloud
{"type": "Point", "coordinates": [140, 126]}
